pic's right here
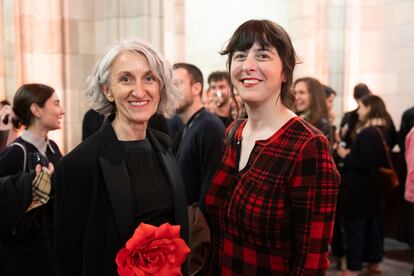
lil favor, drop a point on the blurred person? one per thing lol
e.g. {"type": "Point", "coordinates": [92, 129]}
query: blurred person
{"type": "Point", "coordinates": [175, 128]}
{"type": "Point", "coordinates": [271, 206]}
{"type": "Point", "coordinates": [310, 102]}
{"type": "Point", "coordinates": [409, 188]}
{"type": "Point", "coordinates": [337, 245]}
{"type": "Point", "coordinates": [363, 194]}
{"type": "Point", "coordinates": [9, 131]}
{"type": "Point", "coordinates": [406, 127]}
{"type": "Point", "coordinates": [221, 95]}
{"type": "Point", "coordinates": [125, 174]}
{"type": "Point", "coordinates": [91, 123]}
{"type": "Point", "coordinates": [407, 123]}
{"type": "Point", "coordinates": [350, 119]}
{"type": "Point", "coordinates": [198, 155]}
{"type": "Point", "coordinates": [6, 112]}
{"type": "Point", "coordinates": [237, 108]}
{"type": "Point", "coordinates": [201, 146]}
{"type": "Point", "coordinates": [206, 99]}
{"type": "Point", "coordinates": [330, 95]}
{"type": "Point", "coordinates": [27, 249]}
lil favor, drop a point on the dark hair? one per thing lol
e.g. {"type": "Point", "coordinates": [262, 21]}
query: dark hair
{"type": "Point", "coordinates": [328, 91]}
{"type": "Point", "coordinates": [317, 106]}
{"type": "Point", "coordinates": [26, 95]}
{"type": "Point", "coordinates": [378, 109]}
{"type": "Point", "coordinates": [193, 71]}
{"type": "Point", "coordinates": [268, 34]}
{"type": "Point", "coordinates": [218, 76]}
{"type": "Point", "coordinates": [361, 90]}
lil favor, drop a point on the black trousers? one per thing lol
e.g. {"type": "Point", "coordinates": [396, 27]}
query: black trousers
{"type": "Point", "coordinates": [365, 241]}
{"type": "Point", "coordinates": [337, 244]}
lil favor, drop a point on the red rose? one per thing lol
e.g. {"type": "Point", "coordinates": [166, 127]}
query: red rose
{"type": "Point", "coordinates": [153, 251]}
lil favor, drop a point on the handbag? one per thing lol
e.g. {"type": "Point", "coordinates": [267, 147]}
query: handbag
{"type": "Point", "coordinates": [389, 175]}
{"type": "Point", "coordinates": [199, 240]}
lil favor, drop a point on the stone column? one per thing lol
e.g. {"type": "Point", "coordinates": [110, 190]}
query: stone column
{"type": "Point", "coordinates": [2, 58]}
{"type": "Point", "coordinates": [7, 59]}
{"type": "Point", "coordinates": [39, 48]}
{"type": "Point", "coordinates": [174, 30]}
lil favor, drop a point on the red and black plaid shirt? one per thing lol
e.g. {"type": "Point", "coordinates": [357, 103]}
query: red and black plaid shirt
{"type": "Point", "coordinates": [275, 217]}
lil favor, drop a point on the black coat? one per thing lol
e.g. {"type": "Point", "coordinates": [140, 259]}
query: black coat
{"type": "Point", "coordinates": [29, 254]}
{"type": "Point", "coordinates": [363, 190]}
{"type": "Point", "coordinates": [94, 205]}
{"type": "Point", "coordinates": [25, 247]}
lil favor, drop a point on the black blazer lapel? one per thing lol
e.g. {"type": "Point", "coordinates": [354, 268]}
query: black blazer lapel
{"type": "Point", "coordinates": [120, 195]}
{"type": "Point", "coordinates": [117, 182]}
{"type": "Point", "coordinates": [173, 175]}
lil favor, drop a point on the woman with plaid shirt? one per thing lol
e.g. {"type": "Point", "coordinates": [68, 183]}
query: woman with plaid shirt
{"type": "Point", "coordinates": [272, 200]}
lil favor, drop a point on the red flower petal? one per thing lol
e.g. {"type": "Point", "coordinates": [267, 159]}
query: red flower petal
{"type": "Point", "coordinates": [142, 234]}
{"type": "Point", "coordinates": [171, 271]}
{"type": "Point", "coordinates": [181, 251]}
{"type": "Point", "coordinates": [167, 230]}
{"type": "Point", "coordinates": [121, 258]}
{"type": "Point", "coordinates": [153, 251]}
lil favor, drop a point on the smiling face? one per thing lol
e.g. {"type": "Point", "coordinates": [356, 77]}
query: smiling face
{"type": "Point", "coordinates": [134, 89]}
{"type": "Point", "coordinates": [51, 114]}
{"type": "Point", "coordinates": [257, 74]}
{"type": "Point", "coordinates": [302, 96]}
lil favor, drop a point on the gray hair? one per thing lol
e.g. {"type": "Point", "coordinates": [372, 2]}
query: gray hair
{"type": "Point", "coordinates": [159, 66]}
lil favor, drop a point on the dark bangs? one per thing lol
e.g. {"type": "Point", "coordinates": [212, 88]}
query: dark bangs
{"type": "Point", "coordinates": [268, 35]}
{"type": "Point", "coordinates": [244, 38]}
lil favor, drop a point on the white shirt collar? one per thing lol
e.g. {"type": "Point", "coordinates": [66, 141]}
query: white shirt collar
{"type": "Point", "coordinates": [36, 141]}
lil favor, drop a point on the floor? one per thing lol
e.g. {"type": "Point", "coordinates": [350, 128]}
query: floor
{"type": "Point", "coordinates": [398, 260]}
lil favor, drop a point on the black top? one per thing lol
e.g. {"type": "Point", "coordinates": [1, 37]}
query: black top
{"type": "Point", "coordinates": [349, 121]}
{"type": "Point", "coordinates": [152, 194]}
{"type": "Point", "coordinates": [199, 153]}
{"type": "Point", "coordinates": [363, 193]}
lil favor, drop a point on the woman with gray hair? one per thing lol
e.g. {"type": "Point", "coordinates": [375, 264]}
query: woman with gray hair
{"type": "Point", "coordinates": [125, 173]}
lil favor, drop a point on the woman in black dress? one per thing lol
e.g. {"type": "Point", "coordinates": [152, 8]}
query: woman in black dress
{"type": "Point", "coordinates": [125, 173]}
{"type": "Point", "coordinates": [363, 193]}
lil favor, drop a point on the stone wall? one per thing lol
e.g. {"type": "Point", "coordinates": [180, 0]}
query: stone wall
{"type": "Point", "coordinates": [57, 43]}
{"type": "Point", "coordinates": [339, 42]}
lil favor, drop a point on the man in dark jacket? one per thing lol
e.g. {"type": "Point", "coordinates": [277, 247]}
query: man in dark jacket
{"type": "Point", "coordinates": [202, 139]}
